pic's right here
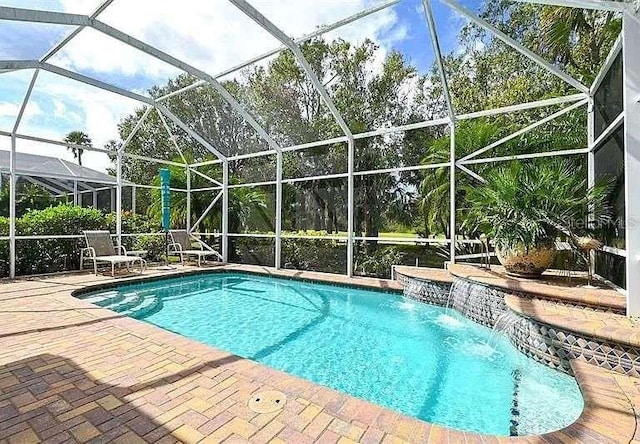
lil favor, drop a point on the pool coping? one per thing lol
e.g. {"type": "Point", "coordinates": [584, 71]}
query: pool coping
{"type": "Point", "coordinates": [577, 320]}
{"type": "Point", "coordinates": [309, 277]}
{"type": "Point", "coordinates": [603, 297]}
{"type": "Point", "coordinates": [609, 414]}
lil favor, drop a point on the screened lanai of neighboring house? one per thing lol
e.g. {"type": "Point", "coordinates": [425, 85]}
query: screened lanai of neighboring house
{"type": "Point", "coordinates": [62, 178]}
{"type": "Point", "coordinates": [266, 163]}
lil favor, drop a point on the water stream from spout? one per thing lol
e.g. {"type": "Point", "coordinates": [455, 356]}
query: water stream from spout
{"type": "Point", "coordinates": [505, 323]}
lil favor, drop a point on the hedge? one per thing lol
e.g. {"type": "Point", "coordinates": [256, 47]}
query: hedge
{"type": "Point", "coordinates": [55, 255]}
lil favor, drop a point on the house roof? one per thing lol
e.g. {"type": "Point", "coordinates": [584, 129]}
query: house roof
{"type": "Point", "coordinates": [62, 171]}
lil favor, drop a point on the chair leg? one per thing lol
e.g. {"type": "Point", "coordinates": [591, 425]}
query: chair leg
{"type": "Point", "coordinates": [95, 267]}
{"type": "Point", "coordinates": [113, 269]}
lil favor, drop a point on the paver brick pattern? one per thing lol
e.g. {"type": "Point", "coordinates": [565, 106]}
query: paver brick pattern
{"type": "Point", "coordinates": [73, 372]}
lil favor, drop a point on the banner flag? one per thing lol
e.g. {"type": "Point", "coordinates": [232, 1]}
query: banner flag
{"type": "Point", "coordinates": [165, 176]}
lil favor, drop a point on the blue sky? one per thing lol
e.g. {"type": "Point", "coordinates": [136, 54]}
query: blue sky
{"type": "Point", "coordinates": [417, 46]}
{"type": "Point", "coordinates": [209, 34]}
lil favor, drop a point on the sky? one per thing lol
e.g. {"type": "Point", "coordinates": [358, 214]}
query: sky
{"type": "Point", "coordinates": [211, 35]}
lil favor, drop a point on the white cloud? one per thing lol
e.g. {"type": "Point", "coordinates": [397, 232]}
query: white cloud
{"type": "Point", "coordinates": [210, 35]}
{"type": "Point", "coordinates": [8, 109]}
{"type": "Point", "coordinates": [95, 52]}
{"type": "Point", "coordinates": [11, 110]}
{"type": "Point", "coordinates": [72, 106]}
{"type": "Point", "coordinates": [31, 112]}
{"type": "Point", "coordinates": [59, 109]}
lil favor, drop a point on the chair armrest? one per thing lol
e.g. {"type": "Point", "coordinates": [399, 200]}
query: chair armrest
{"type": "Point", "coordinates": [90, 252]}
{"type": "Point", "coordinates": [120, 248]}
{"type": "Point", "coordinates": [201, 244]}
{"type": "Point", "coordinates": [193, 238]}
{"type": "Point", "coordinates": [175, 247]}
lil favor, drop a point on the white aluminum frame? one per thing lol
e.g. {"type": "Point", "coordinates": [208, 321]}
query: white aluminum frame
{"type": "Point", "coordinates": [81, 21]}
{"type": "Point", "coordinates": [631, 111]}
{"type": "Point", "coordinates": [633, 307]}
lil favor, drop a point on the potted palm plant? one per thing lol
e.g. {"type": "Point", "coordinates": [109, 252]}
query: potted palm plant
{"type": "Point", "coordinates": [525, 207]}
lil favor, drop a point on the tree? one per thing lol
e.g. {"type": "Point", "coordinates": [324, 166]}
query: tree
{"type": "Point", "coordinates": [371, 94]}
{"type": "Point", "coordinates": [491, 74]}
{"type": "Point", "coordinates": [28, 197]}
{"type": "Point", "coordinates": [113, 146]}
{"type": "Point", "coordinates": [78, 139]}
{"type": "Point", "coordinates": [367, 98]}
{"type": "Point", "coordinates": [578, 38]}
{"type": "Point", "coordinates": [285, 102]}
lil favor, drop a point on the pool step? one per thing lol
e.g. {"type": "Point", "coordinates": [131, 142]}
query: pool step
{"type": "Point", "coordinates": [552, 287]}
{"type": "Point", "coordinates": [105, 299]}
{"type": "Point", "coordinates": [129, 301]}
{"type": "Point", "coordinates": [147, 305]}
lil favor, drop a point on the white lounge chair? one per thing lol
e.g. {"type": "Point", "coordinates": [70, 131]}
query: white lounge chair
{"type": "Point", "coordinates": [100, 249]}
{"type": "Point", "coordinates": [181, 246]}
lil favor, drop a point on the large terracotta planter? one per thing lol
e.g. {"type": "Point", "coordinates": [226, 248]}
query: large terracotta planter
{"type": "Point", "coordinates": [528, 263]}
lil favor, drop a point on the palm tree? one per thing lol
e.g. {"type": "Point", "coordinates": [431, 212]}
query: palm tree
{"type": "Point", "coordinates": [530, 203]}
{"type": "Point", "coordinates": [434, 187]}
{"type": "Point", "coordinates": [77, 138]}
{"type": "Point", "coordinates": [579, 38]}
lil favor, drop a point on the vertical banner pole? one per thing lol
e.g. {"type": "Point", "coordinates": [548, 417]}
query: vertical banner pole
{"type": "Point", "coordinates": [452, 193]}
{"type": "Point", "coordinates": [118, 197]}
{"type": "Point", "coordinates": [165, 195]}
{"type": "Point", "coordinates": [12, 208]}
{"type": "Point", "coordinates": [188, 223]}
{"type": "Point", "coordinates": [225, 211]}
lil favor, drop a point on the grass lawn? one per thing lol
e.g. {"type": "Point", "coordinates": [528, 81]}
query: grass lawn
{"type": "Point", "coordinates": [343, 234]}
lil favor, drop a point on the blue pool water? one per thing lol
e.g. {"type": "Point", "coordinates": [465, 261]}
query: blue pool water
{"type": "Point", "coordinates": [418, 359]}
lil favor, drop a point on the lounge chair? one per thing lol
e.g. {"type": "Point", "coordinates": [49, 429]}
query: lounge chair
{"type": "Point", "coordinates": [181, 246]}
{"type": "Point", "coordinates": [100, 249]}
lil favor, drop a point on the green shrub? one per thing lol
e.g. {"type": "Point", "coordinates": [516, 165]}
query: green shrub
{"type": "Point", "coordinates": [35, 256]}
{"type": "Point", "coordinates": [155, 246]}
{"type": "Point", "coordinates": [325, 255]}
{"type": "Point", "coordinates": [376, 261]}
{"type": "Point", "coordinates": [134, 223]}
{"type": "Point", "coordinates": [61, 219]}
{"type": "Point", "coordinates": [252, 251]}
{"type": "Point", "coordinates": [51, 255]}
{"type": "Point", "coordinates": [532, 204]}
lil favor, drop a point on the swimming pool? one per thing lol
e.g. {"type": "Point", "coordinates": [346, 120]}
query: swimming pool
{"type": "Point", "coordinates": [418, 359]}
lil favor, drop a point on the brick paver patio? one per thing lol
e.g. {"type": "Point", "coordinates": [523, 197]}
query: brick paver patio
{"type": "Point", "coordinates": [72, 372]}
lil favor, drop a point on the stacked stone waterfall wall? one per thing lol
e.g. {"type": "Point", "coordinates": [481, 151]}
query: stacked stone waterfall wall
{"type": "Point", "coordinates": [485, 305]}
{"type": "Point", "coordinates": [553, 346]}
{"type": "Point", "coordinates": [435, 293]}
{"type": "Point", "coordinates": [480, 303]}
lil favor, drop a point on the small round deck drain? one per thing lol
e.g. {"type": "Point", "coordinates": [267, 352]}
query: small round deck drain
{"type": "Point", "coordinates": [267, 402]}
